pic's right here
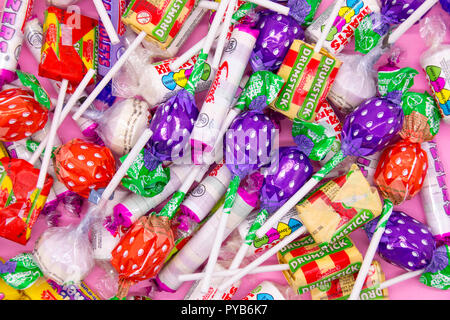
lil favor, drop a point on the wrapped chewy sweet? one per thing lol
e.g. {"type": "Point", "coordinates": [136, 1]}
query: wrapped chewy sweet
{"type": "Point", "coordinates": [311, 266]}
{"type": "Point", "coordinates": [406, 242]}
{"type": "Point", "coordinates": [340, 289]}
{"type": "Point", "coordinates": [308, 77]}
{"type": "Point", "coordinates": [374, 26]}
{"type": "Point", "coordinates": [20, 200]}
{"type": "Point", "coordinates": [339, 207]}
{"type": "Point", "coordinates": [278, 31]}
{"type": "Point", "coordinates": [20, 115]}
{"type": "Point", "coordinates": [434, 62]}
{"type": "Point", "coordinates": [69, 48]}
{"type": "Point", "coordinates": [84, 166]}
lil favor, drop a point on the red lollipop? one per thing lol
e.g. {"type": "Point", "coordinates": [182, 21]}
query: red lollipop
{"type": "Point", "coordinates": [401, 170]}
{"type": "Point", "coordinates": [83, 166]}
{"type": "Point", "coordinates": [20, 115]}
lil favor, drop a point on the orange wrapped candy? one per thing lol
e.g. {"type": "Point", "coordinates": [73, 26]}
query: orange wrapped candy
{"type": "Point", "coordinates": [401, 170]}
{"type": "Point", "coordinates": [20, 201]}
{"type": "Point", "coordinates": [20, 115]}
{"type": "Point", "coordinates": [83, 166]}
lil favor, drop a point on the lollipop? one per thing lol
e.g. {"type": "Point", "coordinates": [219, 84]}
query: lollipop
{"type": "Point", "coordinates": [278, 31]}
{"type": "Point", "coordinates": [247, 147]}
{"type": "Point", "coordinates": [281, 181]}
{"type": "Point", "coordinates": [107, 24]}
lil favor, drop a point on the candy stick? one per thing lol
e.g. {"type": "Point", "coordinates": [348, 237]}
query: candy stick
{"type": "Point", "coordinates": [65, 111]}
{"type": "Point", "coordinates": [231, 272]}
{"type": "Point", "coordinates": [211, 5]}
{"type": "Point", "coordinates": [408, 23]}
{"type": "Point", "coordinates": [401, 278]}
{"type": "Point", "coordinates": [328, 26]}
{"type": "Point", "coordinates": [374, 242]}
{"type": "Point", "coordinates": [223, 33]}
{"type": "Point", "coordinates": [51, 136]}
{"type": "Point", "coordinates": [102, 84]}
{"type": "Point", "coordinates": [112, 34]}
{"type": "Point", "coordinates": [261, 259]}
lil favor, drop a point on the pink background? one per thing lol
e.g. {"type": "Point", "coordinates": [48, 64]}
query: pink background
{"type": "Point", "coordinates": [413, 46]}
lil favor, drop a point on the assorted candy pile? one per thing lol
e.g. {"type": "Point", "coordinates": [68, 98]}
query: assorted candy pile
{"type": "Point", "coordinates": [158, 166]}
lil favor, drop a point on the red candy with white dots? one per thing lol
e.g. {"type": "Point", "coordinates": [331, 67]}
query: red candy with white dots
{"type": "Point", "coordinates": [20, 115]}
{"type": "Point", "coordinates": [401, 171]}
{"type": "Point", "coordinates": [83, 166]}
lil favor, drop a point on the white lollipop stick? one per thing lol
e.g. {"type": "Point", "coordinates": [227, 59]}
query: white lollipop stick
{"type": "Point", "coordinates": [227, 273]}
{"type": "Point", "coordinates": [223, 33]}
{"type": "Point", "coordinates": [368, 258]}
{"type": "Point", "coordinates": [211, 5]}
{"type": "Point", "coordinates": [261, 259]}
{"type": "Point", "coordinates": [110, 30]}
{"type": "Point", "coordinates": [326, 30]}
{"type": "Point", "coordinates": [413, 18]}
{"type": "Point", "coordinates": [65, 111]}
{"type": "Point", "coordinates": [272, 6]}
{"type": "Point", "coordinates": [111, 73]}
{"type": "Point", "coordinates": [401, 278]}
{"type": "Point", "coordinates": [214, 27]}
{"type": "Point", "coordinates": [52, 134]}
{"type": "Point", "coordinates": [240, 255]}
{"type": "Point", "coordinates": [120, 173]}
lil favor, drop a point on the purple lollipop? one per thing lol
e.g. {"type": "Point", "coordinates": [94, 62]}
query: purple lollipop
{"type": "Point", "coordinates": [171, 125]}
{"type": "Point", "coordinates": [284, 177]}
{"type": "Point", "coordinates": [406, 242]}
{"type": "Point", "coordinates": [372, 125]}
{"type": "Point", "coordinates": [277, 32]}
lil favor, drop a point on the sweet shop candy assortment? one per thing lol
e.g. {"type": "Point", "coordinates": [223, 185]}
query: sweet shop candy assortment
{"type": "Point", "coordinates": [176, 183]}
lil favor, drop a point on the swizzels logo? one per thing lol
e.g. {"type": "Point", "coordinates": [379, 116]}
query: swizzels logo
{"type": "Point", "coordinates": [217, 79]}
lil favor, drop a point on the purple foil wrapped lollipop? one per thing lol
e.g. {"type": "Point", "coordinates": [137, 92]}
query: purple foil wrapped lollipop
{"type": "Point", "coordinates": [171, 125]}
{"type": "Point", "coordinates": [372, 125]}
{"type": "Point", "coordinates": [406, 242]}
{"type": "Point", "coordinates": [284, 177]}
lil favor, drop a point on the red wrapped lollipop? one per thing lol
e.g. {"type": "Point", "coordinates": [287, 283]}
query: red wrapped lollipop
{"type": "Point", "coordinates": [20, 115]}
{"type": "Point", "coordinates": [402, 167]}
{"type": "Point", "coordinates": [83, 166]}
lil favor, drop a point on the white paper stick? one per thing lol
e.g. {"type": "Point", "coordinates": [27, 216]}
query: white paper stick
{"type": "Point", "coordinates": [223, 33]}
{"type": "Point", "coordinates": [111, 73]}
{"type": "Point", "coordinates": [370, 253]}
{"type": "Point", "coordinates": [110, 30]}
{"type": "Point", "coordinates": [401, 278]}
{"type": "Point", "coordinates": [338, 4]}
{"type": "Point", "coordinates": [288, 205]}
{"type": "Point", "coordinates": [211, 5]}
{"type": "Point", "coordinates": [214, 27]}
{"type": "Point", "coordinates": [240, 255]}
{"type": "Point", "coordinates": [65, 111]}
{"type": "Point", "coordinates": [189, 180]}
{"type": "Point", "coordinates": [120, 173]}
{"type": "Point", "coordinates": [272, 6]}
{"type": "Point", "coordinates": [413, 18]}
{"type": "Point", "coordinates": [227, 273]}
{"type": "Point", "coordinates": [52, 134]}
{"type": "Point", "coordinates": [261, 259]}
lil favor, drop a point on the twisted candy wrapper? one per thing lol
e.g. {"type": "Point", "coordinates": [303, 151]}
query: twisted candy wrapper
{"type": "Point", "coordinates": [142, 181]}
{"type": "Point", "coordinates": [84, 166]}
{"type": "Point", "coordinates": [171, 125]}
{"type": "Point", "coordinates": [20, 115]}
{"type": "Point", "coordinates": [437, 273]}
{"type": "Point", "coordinates": [401, 171]}
{"type": "Point", "coordinates": [312, 139]}
{"type": "Point", "coordinates": [406, 242]}
{"type": "Point", "coordinates": [376, 25]}
{"type": "Point", "coordinates": [284, 178]}
{"type": "Point", "coordinates": [20, 201]}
